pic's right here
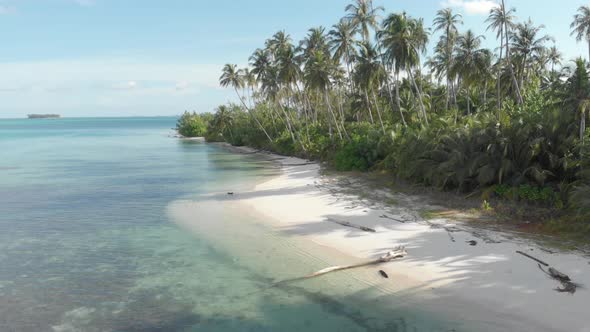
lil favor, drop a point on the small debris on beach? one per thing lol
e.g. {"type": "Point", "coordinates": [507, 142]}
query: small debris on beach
{"type": "Point", "coordinates": [394, 219]}
{"type": "Point", "coordinates": [383, 274]}
{"type": "Point", "coordinates": [567, 286]}
{"type": "Point", "coordinates": [472, 243]}
{"type": "Point", "coordinates": [347, 224]}
{"type": "Point", "coordinates": [230, 193]}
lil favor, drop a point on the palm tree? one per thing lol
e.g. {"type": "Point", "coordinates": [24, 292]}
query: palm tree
{"type": "Point", "coordinates": [526, 44]}
{"type": "Point", "coordinates": [404, 39]}
{"type": "Point", "coordinates": [503, 21]}
{"type": "Point", "coordinates": [470, 61]}
{"type": "Point", "coordinates": [315, 40]}
{"type": "Point", "coordinates": [260, 62]}
{"type": "Point", "coordinates": [581, 25]}
{"type": "Point", "coordinates": [369, 73]}
{"type": "Point", "coordinates": [578, 93]}
{"type": "Point", "coordinates": [223, 121]}
{"type": "Point", "coordinates": [318, 72]}
{"type": "Point", "coordinates": [363, 16]}
{"type": "Point", "coordinates": [342, 44]}
{"type": "Point", "coordinates": [447, 22]}
{"type": "Point", "coordinates": [554, 57]}
{"type": "Point", "coordinates": [231, 76]}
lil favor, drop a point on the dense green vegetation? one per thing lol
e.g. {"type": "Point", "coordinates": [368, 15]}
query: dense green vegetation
{"type": "Point", "coordinates": [192, 124]}
{"type": "Point", "coordinates": [362, 95]}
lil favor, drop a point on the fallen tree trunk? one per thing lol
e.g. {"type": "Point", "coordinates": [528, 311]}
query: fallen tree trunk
{"type": "Point", "coordinates": [347, 224]}
{"type": "Point", "coordinates": [533, 258]}
{"type": "Point", "coordinates": [396, 253]}
{"type": "Point", "coordinates": [301, 164]}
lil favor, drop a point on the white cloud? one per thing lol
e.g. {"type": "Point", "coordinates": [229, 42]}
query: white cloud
{"type": "Point", "coordinates": [474, 7]}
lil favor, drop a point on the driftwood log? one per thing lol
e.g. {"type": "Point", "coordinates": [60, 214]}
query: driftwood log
{"type": "Point", "coordinates": [347, 224]}
{"type": "Point", "coordinates": [301, 164]}
{"type": "Point", "coordinates": [566, 282]}
{"type": "Point", "coordinates": [533, 258]}
{"type": "Point", "coordinates": [394, 254]}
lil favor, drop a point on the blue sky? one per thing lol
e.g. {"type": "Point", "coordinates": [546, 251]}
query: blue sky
{"type": "Point", "coordinates": [148, 57]}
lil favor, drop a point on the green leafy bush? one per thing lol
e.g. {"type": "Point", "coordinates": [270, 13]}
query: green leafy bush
{"type": "Point", "coordinates": [362, 151]}
{"type": "Point", "coordinates": [537, 195]}
{"type": "Point", "coordinates": [192, 125]}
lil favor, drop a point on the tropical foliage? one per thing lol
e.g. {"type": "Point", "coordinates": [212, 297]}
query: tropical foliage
{"type": "Point", "coordinates": [362, 94]}
{"type": "Point", "coordinates": [192, 124]}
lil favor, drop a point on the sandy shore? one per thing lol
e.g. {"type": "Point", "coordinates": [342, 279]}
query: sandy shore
{"type": "Point", "coordinates": [487, 284]}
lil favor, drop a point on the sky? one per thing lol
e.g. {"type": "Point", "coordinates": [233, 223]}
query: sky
{"type": "Point", "coordinates": [82, 58]}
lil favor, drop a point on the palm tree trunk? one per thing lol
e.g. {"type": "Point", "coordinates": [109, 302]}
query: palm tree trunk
{"type": "Point", "coordinates": [341, 109]}
{"type": "Point", "coordinates": [454, 93]}
{"type": "Point", "coordinates": [499, 76]}
{"type": "Point", "coordinates": [369, 106]}
{"type": "Point", "coordinates": [468, 101]}
{"type": "Point", "coordinates": [485, 95]}
{"type": "Point", "coordinates": [448, 99]}
{"type": "Point", "coordinates": [332, 112]}
{"type": "Point", "coordinates": [291, 129]}
{"type": "Point", "coordinates": [348, 72]}
{"type": "Point", "coordinates": [523, 74]}
{"type": "Point", "coordinates": [287, 122]}
{"type": "Point", "coordinates": [253, 116]}
{"type": "Point", "coordinates": [419, 93]}
{"type": "Point", "coordinates": [449, 62]}
{"type": "Point", "coordinates": [388, 84]}
{"type": "Point", "coordinates": [509, 58]}
{"type": "Point", "coordinates": [398, 100]}
{"type": "Point", "coordinates": [378, 111]}
{"type": "Point", "coordinates": [582, 126]}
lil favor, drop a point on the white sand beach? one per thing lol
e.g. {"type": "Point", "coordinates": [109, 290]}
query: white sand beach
{"type": "Point", "coordinates": [487, 284]}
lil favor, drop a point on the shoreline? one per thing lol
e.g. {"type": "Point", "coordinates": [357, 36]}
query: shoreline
{"type": "Point", "coordinates": [487, 283]}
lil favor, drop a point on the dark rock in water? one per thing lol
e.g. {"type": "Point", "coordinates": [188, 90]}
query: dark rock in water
{"type": "Point", "coordinates": [472, 243]}
{"type": "Point", "coordinates": [383, 274]}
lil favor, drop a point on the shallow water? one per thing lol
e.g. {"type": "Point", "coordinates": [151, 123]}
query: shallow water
{"type": "Point", "coordinates": [87, 242]}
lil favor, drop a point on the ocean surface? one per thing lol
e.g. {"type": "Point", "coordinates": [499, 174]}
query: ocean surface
{"type": "Point", "coordinates": [87, 242]}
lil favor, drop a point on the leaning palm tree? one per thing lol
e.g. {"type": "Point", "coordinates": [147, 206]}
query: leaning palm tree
{"type": "Point", "coordinates": [581, 25]}
{"type": "Point", "coordinates": [363, 16]}
{"type": "Point", "coordinates": [232, 76]}
{"type": "Point", "coordinates": [447, 22]}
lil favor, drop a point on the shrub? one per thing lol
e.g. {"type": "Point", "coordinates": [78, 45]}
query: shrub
{"type": "Point", "coordinates": [191, 125]}
{"type": "Point", "coordinates": [362, 151]}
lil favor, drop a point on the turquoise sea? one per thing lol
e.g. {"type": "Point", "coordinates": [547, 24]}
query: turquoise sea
{"type": "Point", "coordinates": [87, 244]}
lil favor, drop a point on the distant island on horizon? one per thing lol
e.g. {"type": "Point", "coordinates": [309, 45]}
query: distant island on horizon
{"type": "Point", "coordinates": [44, 116]}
